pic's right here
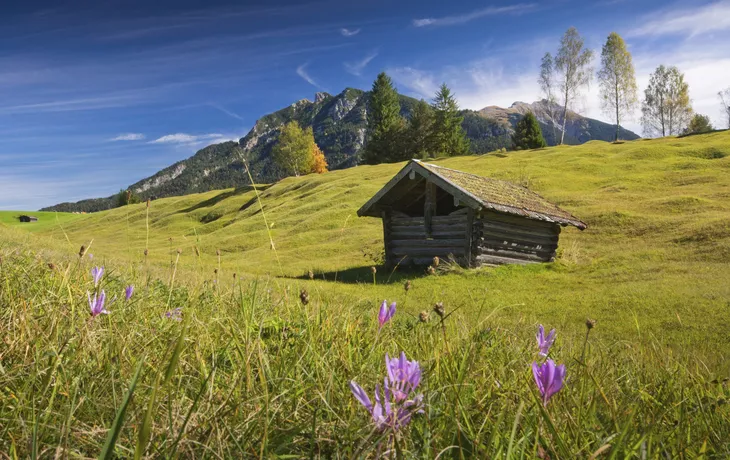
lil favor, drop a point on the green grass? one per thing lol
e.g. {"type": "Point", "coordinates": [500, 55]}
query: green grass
{"type": "Point", "coordinates": [47, 221]}
{"type": "Point", "coordinates": [262, 374]}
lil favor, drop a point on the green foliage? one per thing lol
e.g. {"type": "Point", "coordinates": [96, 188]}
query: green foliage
{"type": "Point", "coordinates": [528, 134]}
{"type": "Point", "coordinates": [617, 80]}
{"type": "Point", "coordinates": [448, 137]}
{"type": "Point", "coordinates": [419, 131]}
{"type": "Point", "coordinates": [127, 197]}
{"type": "Point", "coordinates": [699, 124]}
{"type": "Point", "coordinates": [666, 109]}
{"type": "Point", "coordinates": [293, 151]}
{"type": "Point", "coordinates": [384, 124]}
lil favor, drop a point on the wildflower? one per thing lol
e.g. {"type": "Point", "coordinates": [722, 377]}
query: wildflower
{"type": "Point", "coordinates": [549, 378]}
{"type": "Point", "coordinates": [97, 303]}
{"type": "Point", "coordinates": [385, 313]}
{"type": "Point", "coordinates": [544, 343]}
{"type": "Point", "coordinates": [175, 315]}
{"type": "Point", "coordinates": [97, 273]}
{"type": "Point", "coordinates": [304, 297]}
{"type": "Point", "coordinates": [128, 291]}
{"type": "Point", "coordinates": [392, 408]}
{"type": "Point", "coordinates": [403, 376]}
{"type": "Point", "coordinates": [423, 316]}
{"type": "Point", "coordinates": [407, 285]}
{"type": "Point", "coordinates": [438, 308]}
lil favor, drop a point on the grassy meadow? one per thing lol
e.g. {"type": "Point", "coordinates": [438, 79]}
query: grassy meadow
{"type": "Point", "coordinates": [252, 371]}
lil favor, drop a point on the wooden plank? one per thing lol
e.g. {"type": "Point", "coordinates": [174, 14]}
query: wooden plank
{"type": "Point", "coordinates": [429, 206]}
{"type": "Point", "coordinates": [525, 239]}
{"type": "Point", "coordinates": [516, 220]}
{"type": "Point", "coordinates": [427, 243]}
{"type": "Point", "coordinates": [460, 211]}
{"type": "Point", "coordinates": [448, 227]}
{"type": "Point", "coordinates": [512, 228]}
{"type": "Point", "coordinates": [537, 257]}
{"type": "Point", "coordinates": [495, 260]}
{"type": "Point", "coordinates": [387, 238]}
{"type": "Point", "coordinates": [468, 236]}
{"type": "Point", "coordinates": [407, 222]}
{"type": "Point", "coordinates": [499, 243]}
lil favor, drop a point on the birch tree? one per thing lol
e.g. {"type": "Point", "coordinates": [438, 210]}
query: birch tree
{"type": "Point", "coordinates": [617, 80]}
{"type": "Point", "coordinates": [666, 110]}
{"type": "Point", "coordinates": [548, 87]}
{"type": "Point", "coordinates": [725, 102]}
{"type": "Point", "coordinates": [572, 64]}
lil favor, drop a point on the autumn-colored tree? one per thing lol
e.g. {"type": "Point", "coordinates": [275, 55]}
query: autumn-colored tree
{"type": "Point", "coordinates": [319, 165]}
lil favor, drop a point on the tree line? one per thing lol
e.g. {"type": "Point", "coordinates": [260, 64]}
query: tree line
{"type": "Point", "coordinates": [666, 107]}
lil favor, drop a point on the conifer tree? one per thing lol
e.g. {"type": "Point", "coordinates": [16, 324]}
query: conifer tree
{"type": "Point", "coordinates": [419, 132]}
{"type": "Point", "coordinates": [385, 124]}
{"type": "Point", "coordinates": [528, 134]}
{"type": "Point", "coordinates": [448, 137]}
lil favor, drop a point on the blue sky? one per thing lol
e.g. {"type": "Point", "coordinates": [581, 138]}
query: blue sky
{"type": "Point", "coordinates": [96, 95]}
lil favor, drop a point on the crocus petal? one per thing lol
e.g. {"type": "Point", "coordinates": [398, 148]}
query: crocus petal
{"type": "Point", "coordinates": [361, 395]}
{"type": "Point", "coordinates": [382, 314]}
{"type": "Point", "coordinates": [391, 311]}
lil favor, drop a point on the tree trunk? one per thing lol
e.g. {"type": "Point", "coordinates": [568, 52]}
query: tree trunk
{"type": "Point", "coordinates": [565, 117]}
{"type": "Point", "coordinates": [618, 121]}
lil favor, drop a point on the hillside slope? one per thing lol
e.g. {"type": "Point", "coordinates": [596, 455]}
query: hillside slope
{"type": "Point", "coordinates": [339, 124]}
{"type": "Point", "coordinates": [653, 262]}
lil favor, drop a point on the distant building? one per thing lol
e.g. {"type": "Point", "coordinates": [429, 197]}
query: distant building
{"type": "Point", "coordinates": [430, 211]}
{"type": "Point", "coordinates": [28, 218]}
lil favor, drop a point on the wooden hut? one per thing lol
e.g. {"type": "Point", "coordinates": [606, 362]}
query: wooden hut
{"type": "Point", "coordinates": [430, 211]}
{"type": "Point", "coordinates": [25, 218]}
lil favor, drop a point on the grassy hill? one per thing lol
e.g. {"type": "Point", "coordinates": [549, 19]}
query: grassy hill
{"type": "Point", "coordinates": [251, 368]}
{"type": "Point", "coordinates": [656, 248]}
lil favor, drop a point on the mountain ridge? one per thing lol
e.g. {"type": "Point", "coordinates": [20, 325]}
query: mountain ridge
{"type": "Point", "coordinates": [338, 123]}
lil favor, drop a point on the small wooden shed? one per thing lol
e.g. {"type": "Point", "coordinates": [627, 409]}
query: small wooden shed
{"type": "Point", "coordinates": [430, 211]}
{"type": "Point", "coordinates": [25, 218]}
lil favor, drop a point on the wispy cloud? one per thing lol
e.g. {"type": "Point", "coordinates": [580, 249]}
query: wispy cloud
{"type": "Point", "coordinates": [183, 138]}
{"type": "Point", "coordinates": [128, 137]}
{"type": "Point", "coordinates": [687, 21]}
{"type": "Point", "coordinates": [302, 72]}
{"type": "Point", "coordinates": [357, 67]}
{"type": "Point", "coordinates": [227, 112]}
{"type": "Point", "coordinates": [463, 18]}
{"type": "Point", "coordinates": [349, 32]}
{"type": "Point", "coordinates": [419, 83]}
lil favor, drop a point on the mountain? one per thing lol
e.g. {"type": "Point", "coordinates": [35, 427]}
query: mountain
{"type": "Point", "coordinates": [338, 123]}
{"type": "Point", "coordinates": [578, 129]}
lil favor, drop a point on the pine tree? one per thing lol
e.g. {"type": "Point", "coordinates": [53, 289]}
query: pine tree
{"type": "Point", "coordinates": [528, 134]}
{"type": "Point", "coordinates": [385, 124]}
{"type": "Point", "coordinates": [419, 132]}
{"type": "Point", "coordinates": [448, 137]}
{"type": "Point", "coordinates": [617, 79]}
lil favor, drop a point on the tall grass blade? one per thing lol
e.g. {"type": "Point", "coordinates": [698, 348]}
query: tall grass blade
{"type": "Point", "coordinates": [107, 451]}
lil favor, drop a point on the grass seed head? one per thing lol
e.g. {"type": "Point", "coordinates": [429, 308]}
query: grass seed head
{"type": "Point", "coordinates": [179, 251]}
{"type": "Point", "coordinates": [436, 261]}
{"type": "Point", "coordinates": [407, 285]}
{"type": "Point", "coordinates": [311, 275]}
{"type": "Point", "coordinates": [590, 323]}
{"type": "Point", "coordinates": [51, 266]}
{"type": "Point", "coordinates": [304, 297]}
{"type": "Point", "coordinates": [430, 270]}
{"type": "Point", "coordinates": [438, 308]}
{"type": "Point", "coordinates": [424, 316]}
{"type": "Point", "coordinates": [146, 252]}
{"type": "Point", "coordinates": [82, 251]}
{"type": "Point", "coordinates": [373, 270]}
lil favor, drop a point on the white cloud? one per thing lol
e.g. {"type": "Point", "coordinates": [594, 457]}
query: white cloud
{"type": "Point", "coordinates": [688, 21]}
{"type": "Point", "coordinates": [302, 72]}
{"type": "Point", "coordinates": [227, 112]}
{"type": "Point", "coordinates": [349, 32]}
{"type": "Point", "coordinates": [463, 18]}
{"type": "Point", "coordinates": [419, 83]}
{"type": "Point", "coordinates": [356, 68]}
{"type": "Point", "coordinates": [182, 138]}
{"type": "Point", "coordinates": [129, 137]}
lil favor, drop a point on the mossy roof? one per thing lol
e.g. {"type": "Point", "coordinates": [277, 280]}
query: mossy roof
{"type": "Point", "coordinates": [486, 193]}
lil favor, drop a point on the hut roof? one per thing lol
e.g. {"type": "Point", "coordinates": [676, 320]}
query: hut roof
{"type": "Point", "coordinates": [480, 193]}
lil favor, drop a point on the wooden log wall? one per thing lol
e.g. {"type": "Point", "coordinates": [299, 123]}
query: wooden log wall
{"type": "Point", "coordinates": [407, 240]}
{"type": "Point", "coordinates": [504, 239]}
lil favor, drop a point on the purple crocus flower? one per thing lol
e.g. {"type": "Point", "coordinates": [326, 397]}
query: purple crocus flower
{"type": "Point", "coordinates": [97, 303]}
{"type": "Point", "coordinates": [91, 256]}
{"type": "Point", "coordinates": [96, 273]}
{"type": "Point", "coordinates": [392, 409]}
{"type": "Point", "coordinates": [549, 378]}
{"type": "Point", "coordinates": [403, 376]}
{"type": "Point", "coordinates": [128, 291]}
{"type": "Point", "coordinates": [544, 343]}
{"type": "Point", "coordinates": [385, 313]}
